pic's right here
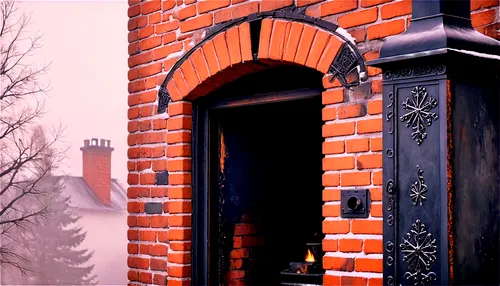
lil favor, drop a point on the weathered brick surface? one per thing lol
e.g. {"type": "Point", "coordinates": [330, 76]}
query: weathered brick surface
{"type": "Point", "coordinates": [160, 32]}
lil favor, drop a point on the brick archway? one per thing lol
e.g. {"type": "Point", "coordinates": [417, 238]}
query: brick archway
{"type": "Point", "coordinates": [230, 51]}
{"type": "Point", "coordinates": [258, 41]}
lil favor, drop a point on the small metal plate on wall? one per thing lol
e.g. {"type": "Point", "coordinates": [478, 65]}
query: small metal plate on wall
{"type": "Point", "coordinates": [153, 208]}
{"type": "Point", "coordinates": [355, 203]}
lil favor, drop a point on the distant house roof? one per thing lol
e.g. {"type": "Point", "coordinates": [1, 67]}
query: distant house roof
{"type": "Point", "coordinates": [82, 197]}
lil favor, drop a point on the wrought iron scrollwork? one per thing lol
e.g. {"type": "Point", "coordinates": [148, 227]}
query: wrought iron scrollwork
{"type": "Point", "coordinates": [390, 153]}
{"type": "Point", "coordinates": [344, 67]}
{"type": "Point", "coordinates": [391, 188]}
{"type": "Point", "coordinates": [389, 246]}
{"type": "Point", "coordinates": [415, 72]}
{"type": "Point", "coordinates": [390, 113]}
{"type": "Point", "coordinates": [420, 252]}
{"type": "Point", "coordinates": [390, 281]}
{"type": "Point", "coordinates": [163, 99]}
{"type": "Point", "coordinates": [419, 188]}
{"type": "Point", "coordinates": [419, 113]}
{"type": "Point", "coordinates": [390, 220]}
{"type": "Point", "coordinates": [390, 261]}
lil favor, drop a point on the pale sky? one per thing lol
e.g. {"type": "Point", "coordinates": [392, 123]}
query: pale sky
{"type": "Point", "coordinates": [86, 43]}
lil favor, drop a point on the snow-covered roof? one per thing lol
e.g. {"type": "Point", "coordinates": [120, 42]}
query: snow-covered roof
{"type": "Point", "coordinates": [82, 197]}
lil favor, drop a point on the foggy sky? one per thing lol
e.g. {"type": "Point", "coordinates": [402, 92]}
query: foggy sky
{"type": "Point", "coordinates": [86, 43]}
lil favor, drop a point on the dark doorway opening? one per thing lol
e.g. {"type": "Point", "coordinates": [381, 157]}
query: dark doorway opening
{"type": "Point", "coordinates": [267, 201]}
{"type": "Point", "coordinates": [257, 198]}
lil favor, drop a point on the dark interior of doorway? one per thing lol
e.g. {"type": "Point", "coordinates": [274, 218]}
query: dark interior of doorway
{"type": "Point", "coordinates": [279, 136]}
{"type": "Point", "coordinates": [265, 203]}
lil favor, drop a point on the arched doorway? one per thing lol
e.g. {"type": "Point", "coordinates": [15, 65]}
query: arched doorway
{"type": "Point", "coordinates": [257, 171]}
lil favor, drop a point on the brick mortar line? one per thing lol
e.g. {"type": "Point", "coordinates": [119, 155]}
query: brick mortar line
{"type": "Point", "coordinates": [180, 214]}
{"type": "Point", "coordinates": [352, 169]}
{"type": "Point", "coordinates": [349, 171]}
{"type": "Point", "coordinates": [149, 256]}
{"type": "Point", "coordinates": [145, 171]}
{"type": "Point", "coordinates": [180, 200]}
{"type": "Point", "coordinates": [180, 228]}
{"type": "Point", "coordinates": [352, 136]}
{"type": "Point", "coordinates": [152, 62]}
{"type": "Point", "coordinates": [159, 60]}
{"type": "Point", "coordinates": [332, 203]}
{"type": "Point", "coordinates": [178, 264]}
{"type": "Point", "coordinates": [179, 279]}
{"type": "Point", "coordinates": [368, 136]}
{"type": "Point", "coordinates": [181, 116]}
{"type": "Point", "coordinates": [177, 173]}
{"type": "Point", "coordinates": [353, 119]}
{"type": "Point", "coordinates": [178, 251]}
{"type": "Point", "coordinates": [139, 255]}
{"type": "Point", "coordinates": [371, 186]}
{"type": "Point", "coordinates": [179, 131]}
{"type": "Point", "coordinates": [346, 254]}
{"type": "Point", "coordinates": [352, 154]}
{"type": "Point", "coordinates": [179, 144]}
{"type": "Point", "coordinates": [151, 145]}
{"type": "Point", "coordinates": [179, 186]}
{"type": "Point", "coordinates": [338, 218]}
{"type": "Point", "coordinates": [156, 272]}
{"type": "Point", "coordinates": [349, 103]}
{"type": "Point", "coordinates": [155, 159]}
{"type": "Point", "coordinates": [147, 228]}
{"type": "Point", "coordinates": [146, 186]}
{"type": "Point", "coordinates": [352, 236]}
{"type": "Point", "coordinates": [140, 120]}
{"type": "Point", "coordinates": [142, 91]}
{"type": "Point", "coordinates": [145, 104]}
{"type": "Point", "coordinates": [354, 255]}
{"type": "Point", "coordinates": [154, 243]}
{"type": "Point", "coordinates": [152, 131]}
{"type": "Point", "coordinates": [148, 200]}
{"type": "Point", "coordinates": [353, 274]}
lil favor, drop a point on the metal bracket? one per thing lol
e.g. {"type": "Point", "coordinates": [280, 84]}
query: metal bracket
{"type": "Point", "coordinates": [355, 203]}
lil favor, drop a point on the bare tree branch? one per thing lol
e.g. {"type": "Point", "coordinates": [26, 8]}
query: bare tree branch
{"type": "Point", "coordinates": [28, 153]}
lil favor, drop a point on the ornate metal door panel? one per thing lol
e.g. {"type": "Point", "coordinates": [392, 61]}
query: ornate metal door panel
{"type": "Point", "coordinates": [414, 206]}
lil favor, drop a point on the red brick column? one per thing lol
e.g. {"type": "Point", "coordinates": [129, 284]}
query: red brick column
{"type": "Point", "coordinates": [353, 158]}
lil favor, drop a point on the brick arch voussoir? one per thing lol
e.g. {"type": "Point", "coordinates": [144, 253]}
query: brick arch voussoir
{"type": "Point", "coordinates": [256, 42]}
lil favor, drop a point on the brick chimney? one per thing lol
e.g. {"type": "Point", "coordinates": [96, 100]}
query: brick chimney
{"type": "Point", "coordinates": [97, 167]}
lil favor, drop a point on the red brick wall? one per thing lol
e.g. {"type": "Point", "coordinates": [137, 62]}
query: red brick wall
{"type": "Point", "coordinates": [160, 33]}
{"type": "Point", "coordinates": [245, 241]}
{"type": "Point", "coordinates": [97, 169]}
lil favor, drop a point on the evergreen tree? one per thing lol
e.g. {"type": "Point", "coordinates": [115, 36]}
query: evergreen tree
{"type": "Point", "coordinates": [54, 249]}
